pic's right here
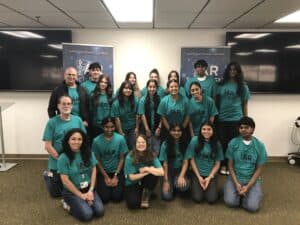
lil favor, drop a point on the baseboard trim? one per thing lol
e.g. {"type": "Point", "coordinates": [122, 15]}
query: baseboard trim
{"type": "Point", "coordinates": [45, 157]}
{"type": "Point", "coordinates": [277, 159]}
{"type": "Point", "coordinates": [27, 156]}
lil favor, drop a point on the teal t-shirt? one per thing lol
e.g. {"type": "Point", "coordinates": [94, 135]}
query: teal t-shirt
{"type": "Point", "coordinates": [102, 111]}
{"type": "Point", "coordinates": [204, 160]}
{"type": "Point", "coordinates": [108, 151]}
{"type": "Point", "coordinates": [246, 157]}
{"type": "Point", "coordinates": [160, 91]}
{"type": "Point", "coordinates": [78, 173]}
{"type": "Point", "coordinates": [174, 111]}
{"type": "Point", "coordinates": [55, 131]}
{"type": "Point", "coordinates": [126, 115]}
{"type": "Point", "coordinates": [199, 112]}
{"type": "Point", "coordinates": [231, 105]}
{"type": "Point", "coordinates": [89, 87]}
{"type": "Point", "coordinates": [141, 111]}
{"type": "Point", "coordinates": [130, 168]}
{"type": "Point", "coordinates": [72, 92]}
{"type": "Point", "coordinates": [208, 86]}
{"type": "Point", "coordinates": [177, 161]}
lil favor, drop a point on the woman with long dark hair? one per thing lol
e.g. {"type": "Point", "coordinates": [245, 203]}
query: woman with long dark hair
{"type": "Point", "coordinates": [232, 102]}
{"type": "Point", "coordinates": [124, 110]}
{"type": "Point", "coordinates": [101, 103]}
{"type": "Point", "coordinates": [154, 75]}
{"type": "Point", "coordinates": [175, 163]}
{"type": "Point", "coordinates": [173, 107]}
{"type": "Point", "coordinates": [110, 149]}
{"type": "Point", "coordinates": [150, 119]}
{"type": "Point", "coordinates": [201, 108]}
{"type": "Point", "coordinates": [174, 75]}
{"type": "Point", "coordinates": [141, 170]}
{"type": "Point", "coordinates": [77, 169]}
{"type": "Point", "coordinates": [205, 153]}
{"type": "Point", "coordinates": [132, 79]}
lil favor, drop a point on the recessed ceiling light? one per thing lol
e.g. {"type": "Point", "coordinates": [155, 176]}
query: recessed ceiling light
{"type": "Point", "coordinates": [131, 11]}
{"type": "Point", "coordinates": [291, 18]}
{"type": "Point", "coordinates": [251, 35]}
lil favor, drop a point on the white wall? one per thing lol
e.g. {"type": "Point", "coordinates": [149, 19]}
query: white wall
{"type": "Point", "coordinates": [140, 51]}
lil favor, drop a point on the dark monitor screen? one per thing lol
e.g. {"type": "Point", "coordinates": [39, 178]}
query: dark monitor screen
{"type": "Point", "coordinates": [270, 60]}
{"type": "Point", "coordinates": [31, 60]}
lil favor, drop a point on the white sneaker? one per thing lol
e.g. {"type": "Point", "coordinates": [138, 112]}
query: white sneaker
{"type": "Point", "coordinates": [224, 171]}
{"type": "Point", "coordinates": [65, 206]}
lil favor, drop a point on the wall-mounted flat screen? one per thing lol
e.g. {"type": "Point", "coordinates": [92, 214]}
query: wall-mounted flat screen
{"type": "Point", "coordinates": [31, 60]}
{"type": "Point", "coordinates": [270, 60]}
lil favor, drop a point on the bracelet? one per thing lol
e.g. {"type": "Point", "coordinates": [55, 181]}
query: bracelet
{"type": "Point", "coordinates": [158, 127]}
{"type": "Point", "coordinates": [91, 189]}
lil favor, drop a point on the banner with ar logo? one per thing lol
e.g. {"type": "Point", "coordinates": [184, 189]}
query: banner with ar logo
{"type": "Point", "coordinates": [81, 56]}
{"type": "Point", "coordinates": [216, 57]}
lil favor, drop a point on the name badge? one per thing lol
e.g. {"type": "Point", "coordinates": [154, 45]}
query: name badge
{"type": "Point", "coordinates": [84, 184]}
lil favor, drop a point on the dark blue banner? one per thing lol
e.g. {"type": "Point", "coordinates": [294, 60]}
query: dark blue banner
{"type": "Point", "coordinates": [81, 56]}
{"type": "Point", "coordinates": [216, 57]}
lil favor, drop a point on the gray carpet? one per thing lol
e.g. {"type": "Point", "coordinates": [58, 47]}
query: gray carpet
{"type": "Point", "coordinates": [24, 200]}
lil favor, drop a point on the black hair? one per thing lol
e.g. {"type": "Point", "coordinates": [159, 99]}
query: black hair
{"type": "Point", "coordinates": [85, 150]}
{"type": "Point", "coordinates": [128, 75]}
{"type": "Point", "coordinates": [194, 83]}
{"type": "Point", "coordinates": [246, 120]}
{"type": "Point", "coordinates": [121, 96]}
{"type": "Point", "coordinates": [239, 78]}
{"type": "Point", "coordinates": [200, 63]}
{"type": "Point", "coordinates": [97, 91]}
{"type": "Point", "coordinates": [170, 143]}
{"type": "Point", "coordinates": [176, 73]}
{"type": "Point", "coordinates": [213, 141]}
{"type": "Point", "coordinates": [154, 71]}
{"type": "Point", "coordinates": [108, 120]}
{"type": "Point", "coordinates": [95, 65]}
{"type": "Point", "coordinates": [156, 100]}
{"type": "Point", "coordinates": [171, 81]}
{"type": "Point", "coordinates": [146, 156]}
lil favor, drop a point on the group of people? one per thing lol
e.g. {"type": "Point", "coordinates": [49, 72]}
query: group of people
{"type": "Point", "coordinates": [105, 147]}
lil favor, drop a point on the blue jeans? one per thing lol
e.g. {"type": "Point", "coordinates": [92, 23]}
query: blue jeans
{"type": "Point", "coordinates": [80, 208]}
{"type": "Point", "coordinates": [173, 185]}
{"type": "Point", "coordinates": [53, 183]}
{"type": "Point", "coordinates": [198, 194]}
{"type": "Point", "coordinates": [251, 201]}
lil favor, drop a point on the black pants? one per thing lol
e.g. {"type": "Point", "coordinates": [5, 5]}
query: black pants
{"type": "Point", "coordinates": [133, 193]}
{"type": "Point", "coordinates": [226, 131]}
{"type": "Point", "coordinates": [107, 193]}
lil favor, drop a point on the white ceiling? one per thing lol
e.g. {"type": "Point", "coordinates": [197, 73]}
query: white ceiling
{"type": "Point", "coordinates": [178, 14]}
